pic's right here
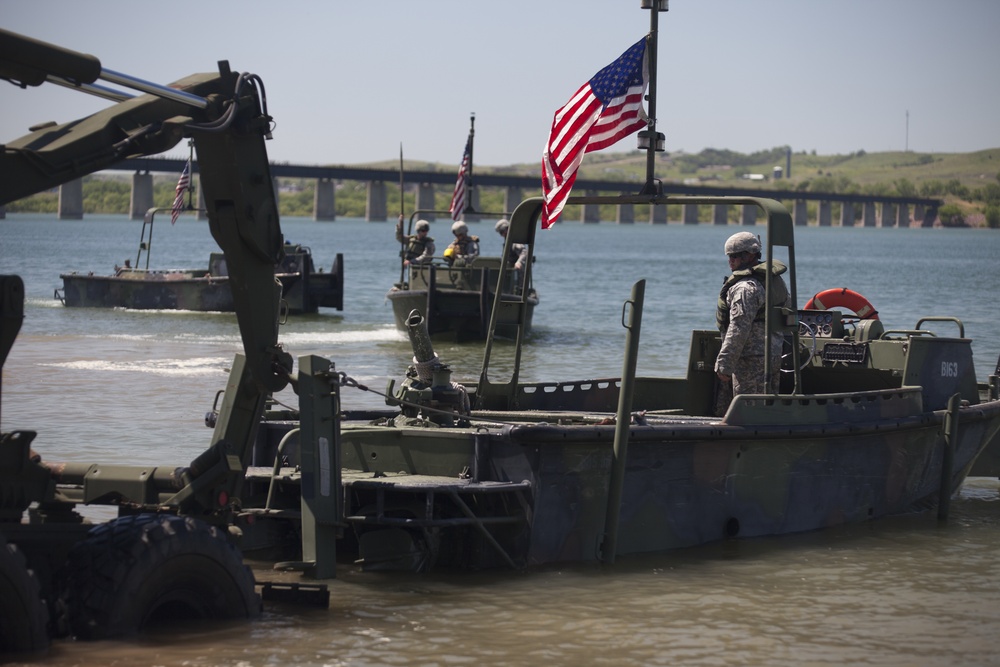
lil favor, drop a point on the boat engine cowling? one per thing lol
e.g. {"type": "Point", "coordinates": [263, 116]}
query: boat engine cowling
{"type": "Point", "coordinates": [428, 392]}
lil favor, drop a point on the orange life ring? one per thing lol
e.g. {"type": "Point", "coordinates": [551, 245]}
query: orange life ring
{"type": "Point", "coordinates": [844, 298]}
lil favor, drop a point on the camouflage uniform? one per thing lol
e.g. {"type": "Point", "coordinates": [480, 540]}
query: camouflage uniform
{"type": "Point", "coordinates": [518, 251]}
{"type": "Point", "coordinates": [464, 248]}
{"type": "Point", "coordinates": [740, 318]}
{"type": "Point", "coordinates": [418, 250]}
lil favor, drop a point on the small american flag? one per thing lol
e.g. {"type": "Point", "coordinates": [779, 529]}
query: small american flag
{"type": "Point", "coordinates": [458, 197]}
{"type": "Point", "coordinates": [604, 110]}
{"type": "Point", "coordinates": [183, 183]}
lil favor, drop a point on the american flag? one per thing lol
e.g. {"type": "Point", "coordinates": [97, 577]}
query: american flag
{"type": "Point", "coordinates": [183, 183]}
{"type": "Point", "coordinates": [605, 109]}
{"type": "Point", "coordinates": [458, 197]}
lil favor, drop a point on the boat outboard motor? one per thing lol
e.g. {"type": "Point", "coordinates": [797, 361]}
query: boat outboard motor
{"type": "Point", "coordinates": [428, 382]}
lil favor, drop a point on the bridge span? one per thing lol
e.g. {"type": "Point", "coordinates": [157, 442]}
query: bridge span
{"type": "Point", "coordinates": [851, 209]}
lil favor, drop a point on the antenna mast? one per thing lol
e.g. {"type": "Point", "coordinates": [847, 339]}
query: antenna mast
{"type": "Point", "coordinates": [649, 139]}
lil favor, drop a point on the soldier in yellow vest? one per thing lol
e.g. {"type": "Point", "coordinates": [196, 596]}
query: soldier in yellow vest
{"type": "Point", "coordinates": [465, 248]}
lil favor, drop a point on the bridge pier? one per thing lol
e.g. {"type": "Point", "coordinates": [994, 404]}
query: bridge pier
{"type": "Point", "coordinates": [824, 214]}
{"type": "Point", "coordinates": [903, 215]}
{"type": "Point", "coordinates": [846, 214]}
{"type": "Point", "coordinates": [800, 213]}
{"type": "Point", "coordinates": [868, 217]}
{"type": "Point", "coordinates": [625, 214]}
{"type": "Point", "coordinates": [425, 201]}
{"type": "Point", "coordinates": [929, 216]}
{"type": "Point", "coordinates": [658, 214]}
{"type": "Point", "coordinates": [324, 201]}
{"type": "Point", "coordinates": [141, 197]}
{"type": "Point", "coordinates": [473, 196]}
{"type": "Point", "coordinates": [512, 196]}
{"type": "Point", "coordinates": [748, 215]}
{"type": "Point", "coordinates": [590, 212]}
{"type": "Point", "coordinates": [690, 214]}
{"type": "Point", "coordinates": [720, 214]}
{"type": "Point", "coordinates": [71, 200]}
{"type": "Point", "coordinates": [3, 211]}
{"type": "Point", "coordinates": [886, 216]}
{"type": "Point", "coordinates": [375, 208]}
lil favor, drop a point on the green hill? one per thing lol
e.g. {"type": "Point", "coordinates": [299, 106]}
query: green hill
{"type": "Point", "coordinates": [968, 183]}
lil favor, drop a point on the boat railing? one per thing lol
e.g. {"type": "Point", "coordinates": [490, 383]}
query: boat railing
{"type": "Point", "coordinates": [431, 216]}
{"type": "Point", "coordinates": [524, 221]}
{"type": "Point", "coordinates": [473, 276]}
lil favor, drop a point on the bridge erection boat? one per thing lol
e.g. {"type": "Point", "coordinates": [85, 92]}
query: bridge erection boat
{"type": "Point", "coordinates": [457, 301]}
{"type": "Point", "coordinates": [869, 422]}
{"type": "Point", "coordinates": [304, 289]}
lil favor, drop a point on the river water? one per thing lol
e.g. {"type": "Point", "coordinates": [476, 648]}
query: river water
{"type": "Point", "coordinates": [107, 385]}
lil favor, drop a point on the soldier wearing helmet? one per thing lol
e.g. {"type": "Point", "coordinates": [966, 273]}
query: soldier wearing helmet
{"type": "Point", "coordinates": [740, 316]}
{"type": "Point", "coordinates": [417, 248]}
{"type": "Point", "coordinates": [518, 253]}
{"type": "Point", "coordinates": [464, 248]}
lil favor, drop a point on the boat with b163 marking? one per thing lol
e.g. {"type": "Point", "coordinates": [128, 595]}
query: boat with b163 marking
{"type": "Point", "coordinates": [869, 422]}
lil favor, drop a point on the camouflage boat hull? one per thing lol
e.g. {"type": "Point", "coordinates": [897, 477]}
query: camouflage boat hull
{"type": "Point", "coordinates": [457, 301]}
{"type": "Point", "coordinates": [200, 294]}
{"type": "Point", "coordinates": [303, 289]}
{"type": "Point", "coordinates": [534, 492]}
{"type": "Point", "coordinates": [461, 315]}
{"type": "Point", "coordinates": [690, 484]}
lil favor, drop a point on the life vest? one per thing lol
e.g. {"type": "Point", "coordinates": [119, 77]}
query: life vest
{"type": "Point", "coordinates": [516, 251]}
{"type": "Point", "coordinates": [416, 246]}
{"type": "Point", "coordinates": [758, 272]}
{"type": "Point", "coordinates": [462, 247]}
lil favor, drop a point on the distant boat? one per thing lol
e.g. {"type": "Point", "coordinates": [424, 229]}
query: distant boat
{"type": "Point", "coordinates": [303, 288]}
{"type": "Point", "coordinates": [456, 301]}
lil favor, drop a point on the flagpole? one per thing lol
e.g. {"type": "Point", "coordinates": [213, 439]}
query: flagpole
{"type": "Point", "coordinates": [191, 174]}
{"type": "Point", "coordinates": [468, 176]}
{"type": "Point", "coordinates": [401, 182]}
{"type": "Point", "coordinates": [402, 244]}
{"type": "Point", "coordinates": [652, 137]}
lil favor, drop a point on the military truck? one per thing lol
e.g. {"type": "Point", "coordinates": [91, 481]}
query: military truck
{"type": "Point", "coordinates": [170, 552]}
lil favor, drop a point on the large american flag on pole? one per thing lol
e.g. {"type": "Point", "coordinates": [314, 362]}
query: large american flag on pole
{"type": "Point", "coordinates": [183, 183]}
{"type": "Point", "coordinates": [604, 110]}
{"type": "Point", "coordinates": [461, 191]}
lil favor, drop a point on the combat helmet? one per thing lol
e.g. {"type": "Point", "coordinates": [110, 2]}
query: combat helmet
{"type": "Point", "coordinates": [742, 242]}
{"type": "Point", "coordinates": [459, 228]}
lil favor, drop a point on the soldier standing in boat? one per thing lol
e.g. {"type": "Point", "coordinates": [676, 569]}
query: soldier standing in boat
{"type": "Point", "coordinates": [464, 248]}
{"type": "Point", "coordinates": [419, 247]}
{"type": "Point", "coordinates": [740, 366]}
{"type": "Point", "coordinates": [518, 254]}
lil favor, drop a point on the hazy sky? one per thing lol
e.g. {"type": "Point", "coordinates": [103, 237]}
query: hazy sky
{"type": "Point", "coordinates": [347, 81]}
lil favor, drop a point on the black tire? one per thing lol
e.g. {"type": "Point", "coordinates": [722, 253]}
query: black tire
{"type": "Point", "coordinates": [139, 570]}
{"type": "Point", "coordinates": [23, 616]}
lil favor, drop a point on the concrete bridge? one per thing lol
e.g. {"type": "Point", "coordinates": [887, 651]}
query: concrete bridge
{"type": "Point", "coordinates": [829, 209]}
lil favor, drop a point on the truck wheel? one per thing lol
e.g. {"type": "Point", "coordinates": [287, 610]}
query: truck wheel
{"type": "Point", "coordinates": [140, 570]}
{"type": "Point", "coordinates": [23, 617]}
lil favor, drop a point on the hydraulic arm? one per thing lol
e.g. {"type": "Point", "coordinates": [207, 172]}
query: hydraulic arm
{"type": "Point", "coordinates": [225, 113]}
